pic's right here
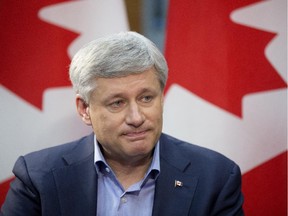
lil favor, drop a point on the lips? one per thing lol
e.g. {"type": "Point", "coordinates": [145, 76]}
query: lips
{"type": "Point", "coordinates": [135, 135]}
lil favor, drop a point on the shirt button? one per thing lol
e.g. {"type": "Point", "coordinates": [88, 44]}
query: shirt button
{"type": "Point", "coordinates": [123, 200]}
{"type": "Point", "coordinates": [107, 169]}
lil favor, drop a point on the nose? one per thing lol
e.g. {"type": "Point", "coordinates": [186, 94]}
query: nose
{"type": "Point", "coordinates": [135, 116]}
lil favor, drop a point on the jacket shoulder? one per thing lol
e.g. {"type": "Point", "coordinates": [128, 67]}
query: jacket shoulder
{"type": "Point", "coordinates": [50, 158]}
{"type": "Point", "coordinates": [199, 157]}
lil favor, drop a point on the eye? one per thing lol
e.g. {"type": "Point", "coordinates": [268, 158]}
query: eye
{"type": "Point", "coordinates": [117, 104]}
{"type": "Point", "coordinates": [147, 98]}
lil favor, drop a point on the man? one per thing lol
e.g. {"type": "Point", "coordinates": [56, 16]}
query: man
{"type": "Point", "coordinates": [127, 166]}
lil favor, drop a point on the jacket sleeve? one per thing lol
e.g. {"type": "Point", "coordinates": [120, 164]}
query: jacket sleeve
{"type": "Point", "coordinates": [22, 197]}
{"type": "Point", "coordinates": [230, 199]}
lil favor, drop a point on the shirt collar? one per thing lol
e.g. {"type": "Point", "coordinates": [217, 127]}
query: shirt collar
{"type": "Point", "coordinates": [155, 164]}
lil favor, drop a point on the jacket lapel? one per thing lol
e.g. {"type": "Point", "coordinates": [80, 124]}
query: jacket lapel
{"type": "Point", "coordinates": [175, 188]}
{"type": "Point", "coordinates": [77, 182]}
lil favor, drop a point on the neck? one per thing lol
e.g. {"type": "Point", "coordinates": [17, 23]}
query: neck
{"type": "Point", "coordinates": [130, 172]}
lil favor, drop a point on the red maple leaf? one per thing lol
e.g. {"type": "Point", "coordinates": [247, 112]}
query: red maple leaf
{"type": "Point", "coordinates": [265, 188]}
{"type": "Point", "coordinates": [33, 53]}
{"type": "Point", "coordinates": [215, 58]}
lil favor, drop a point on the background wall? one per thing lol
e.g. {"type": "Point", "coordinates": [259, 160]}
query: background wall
{"type": "Point", "coordinates": [148, 18]}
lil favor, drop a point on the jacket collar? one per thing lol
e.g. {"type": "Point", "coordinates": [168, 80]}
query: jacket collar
{"type": "Point", "coordinates": [77, 182]}
{"type": "Point", "coordinates": [174, 186]}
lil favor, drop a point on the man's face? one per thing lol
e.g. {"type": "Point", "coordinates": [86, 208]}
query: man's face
{"type": "Point", "coordinates": [126, 115]}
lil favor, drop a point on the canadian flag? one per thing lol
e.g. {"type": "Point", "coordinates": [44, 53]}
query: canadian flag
{"type": "Point", "coordinates": [227, 89]}
{"type": "Point", "coordinates": [38, 39]}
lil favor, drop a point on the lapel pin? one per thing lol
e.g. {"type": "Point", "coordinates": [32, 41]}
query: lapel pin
{"type": "Point", "coordinates": [178, 183]}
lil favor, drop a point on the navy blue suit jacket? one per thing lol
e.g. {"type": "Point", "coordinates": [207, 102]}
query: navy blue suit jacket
{"type": "Point", "coordinates": [62, 180]}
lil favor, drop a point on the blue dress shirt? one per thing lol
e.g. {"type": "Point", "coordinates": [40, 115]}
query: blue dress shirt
{"type": "Point", "coordinates": [113, 200]}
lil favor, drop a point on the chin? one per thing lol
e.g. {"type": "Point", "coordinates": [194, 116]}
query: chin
{"type": "Point", "coordinates": [142, 150]}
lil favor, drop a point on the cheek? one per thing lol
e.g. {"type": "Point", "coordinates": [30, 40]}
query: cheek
{"type": "Point", "coordinates": [160, 115]}
{"type": "Point", "coordinates": [156, 114]}
{"type": "Point", "coordinates": [159, 108]}
{"type": "Point", "coordinates": [104, 124]}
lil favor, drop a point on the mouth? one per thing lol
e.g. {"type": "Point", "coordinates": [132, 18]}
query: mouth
{"type": "Point", "coordinates": [135, 135]}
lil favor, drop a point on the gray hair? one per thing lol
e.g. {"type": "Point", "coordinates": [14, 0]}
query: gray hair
{"type": "Point", "coordinates": [116, 55]}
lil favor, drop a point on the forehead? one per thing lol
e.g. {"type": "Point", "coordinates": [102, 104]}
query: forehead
{"type": "Point", "coordinates": [145, 81]}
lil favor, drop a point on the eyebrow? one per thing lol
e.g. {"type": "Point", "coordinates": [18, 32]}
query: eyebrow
{"type": "Point", "coordinates": [122, 95]}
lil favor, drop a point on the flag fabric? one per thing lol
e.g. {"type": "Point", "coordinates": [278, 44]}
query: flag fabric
{"type": "Point", "coordinates": [38, 39]}
{"type": "Point", "coordinates": [227, 89]}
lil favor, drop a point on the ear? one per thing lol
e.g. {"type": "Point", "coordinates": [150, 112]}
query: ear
{"type": "Point", "coordinates": [83, 110]}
